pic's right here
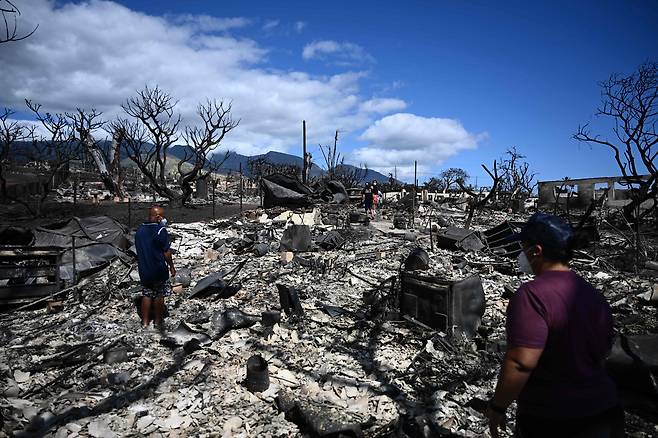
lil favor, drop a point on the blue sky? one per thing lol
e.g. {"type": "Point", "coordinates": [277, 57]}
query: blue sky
{"type": "Point", "coordinates": [458, 82]}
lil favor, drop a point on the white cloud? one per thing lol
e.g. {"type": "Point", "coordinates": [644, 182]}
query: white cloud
{"type": "Point", "coordinates": [399, 139]}
{"type": "Point", "coordinates": [344, 53]}
{"type": "Point", "coordinates": [270, 24]}
{"type": "Point", "coordinates": [300, 26]}
{"type": "Point", "coordinates": [383, 106]}
{"type": "Point", "coordinates": [98, 53]}
{"type": "Point", "coordinates": [207, 23]}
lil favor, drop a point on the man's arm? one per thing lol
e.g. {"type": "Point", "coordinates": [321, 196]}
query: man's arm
{"type": "Point", "coordinates": [170, 262]}
{"type": "Point", "coordinates": [519, 362]}
{"type": "Point", "coordinates": [517, 366]}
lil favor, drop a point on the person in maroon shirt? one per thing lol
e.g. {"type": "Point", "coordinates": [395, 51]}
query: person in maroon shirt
{"type": "Point", "coordinates": [559, 331]}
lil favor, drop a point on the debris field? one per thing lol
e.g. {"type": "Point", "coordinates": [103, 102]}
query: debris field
{"type": "Point", "coordinates": [285, 323]}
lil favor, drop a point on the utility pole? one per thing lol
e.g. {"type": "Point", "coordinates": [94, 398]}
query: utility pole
{"type": "Point", "coordinates": [413, 199]}
{"type": "Point", "coordinates": [304, 168]}
{"type": "Point", "coordinates": [240, 188]}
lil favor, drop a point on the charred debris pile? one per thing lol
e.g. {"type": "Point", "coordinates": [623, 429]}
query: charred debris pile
{"type": "Point", "coordinates": [302, 321]}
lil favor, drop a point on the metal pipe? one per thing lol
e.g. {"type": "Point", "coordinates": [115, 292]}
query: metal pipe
{"type": "Point", "coordinates": [214, 183]}
{"type": "Point", "coordinates": [75, 273]}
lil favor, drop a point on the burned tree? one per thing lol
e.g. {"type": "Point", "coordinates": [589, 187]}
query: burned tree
{"type": "Point", "coordinates": [260, 166]}
{"type": "Point", "coordinates": [516, 178]}
{"type": "Point", "coordinates": [203, 141]}
{"type": "Point", "coordinates": [332, 158]}
{"type": "Point", "coordinates": [114, 157]}
{"type": "Point", "coordinates": [154, 131]}
{"type": "Point", "coordinates": [476, 201]}
{"type": "Point", "coordinates": [12, 132]}
{"type": "Point", "coordinates": [149, 137]}
{"type": "Point", "coordinates": [632, 104]}
{"type": "Point", "coordinates": [10, 14]}
{"type": "Point", "coordinates": [85, 124]}
{"type": "Point", "coordinates": [449, 177]}
{"type": "Point", "coordinates": [433, 185]}
{"type": "Point", "coordinates": [351, 176]}
{"type": "Point", "coordinates": [49, 155]}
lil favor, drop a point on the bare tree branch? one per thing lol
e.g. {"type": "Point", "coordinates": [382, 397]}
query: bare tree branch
{"type": "Point", "coordinates": [154, 129]}
{"type": "Point", "coordinates": [10, 14]}
{"type": "Point", "coordinates": [632, 102]}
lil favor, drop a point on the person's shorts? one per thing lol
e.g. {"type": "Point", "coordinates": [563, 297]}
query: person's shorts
{"type": "Point", "coordinates": [158, 290]}
{"type": "Point", "coordinates": [367, 204]}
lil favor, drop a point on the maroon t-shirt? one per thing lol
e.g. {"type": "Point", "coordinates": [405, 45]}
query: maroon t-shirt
{"type": "Point", "coordinates": [563, 314]}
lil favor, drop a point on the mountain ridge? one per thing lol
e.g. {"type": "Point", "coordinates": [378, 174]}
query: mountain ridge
{"type": "Point", "coordinates": [232, 164]}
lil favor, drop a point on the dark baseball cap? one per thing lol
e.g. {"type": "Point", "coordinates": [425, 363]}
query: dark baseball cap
{"type": "Point", "coordinates": [546, 230]}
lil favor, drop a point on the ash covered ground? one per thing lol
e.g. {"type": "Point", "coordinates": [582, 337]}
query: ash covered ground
{"type": "Point", "coordinates": [351, 363]}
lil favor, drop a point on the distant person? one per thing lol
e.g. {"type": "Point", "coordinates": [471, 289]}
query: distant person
{"type": "Point", "coordinates": [559, 331]}
{"type": "Point", "coordinates": [367, 199]}
{"type": "Point", "coordinates": [375, 198]}
{"type": "Point", "coordinates": [155, 265]}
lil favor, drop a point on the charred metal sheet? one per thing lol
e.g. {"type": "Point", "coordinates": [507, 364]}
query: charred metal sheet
{"type": "Point", "coordinates": [28, 273]}
{"type": "Point", "coordinates": [296, 238]}
{"type": "Point", "coordinates": [459, 238]}
{"type": "Point", "coordinates": [214, 285]}
{"type": "Point", "coordinates": [316, 421]}
{"type": "Point", "coordinates": [418, 259]}
{"type": "Point", "coordinates": [334, 192]}
{"type": "Point", "coordinates": [330, 240]}
{"type": "Point", "coordinates": [230, 319]}
{"type": "Point", "coordinates": [498, 238]}
{"type": "Point", "coordinates": [184, 333]}
{"type": "Point", "coordinates": [633, 364]}
{"type": "Point", "coordinates": [450, 306]}
{"type": "Point", "coordinates": [284, 191]}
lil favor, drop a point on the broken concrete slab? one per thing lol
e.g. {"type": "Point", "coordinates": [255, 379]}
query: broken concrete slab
{"type": "Point", "coordinates": [313, 217]}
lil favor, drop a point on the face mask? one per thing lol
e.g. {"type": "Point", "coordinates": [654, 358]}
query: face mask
{"type": "Point", "coordinates": [163, 221]}
{"type": "Point", "coordinates": [524, 264]}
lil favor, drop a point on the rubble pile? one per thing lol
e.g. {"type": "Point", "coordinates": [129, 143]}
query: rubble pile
{"type": "Point", "coordinates": [306, 301]}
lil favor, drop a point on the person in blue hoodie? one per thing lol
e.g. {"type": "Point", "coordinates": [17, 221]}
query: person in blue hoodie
{"type": "Point", "coordinates": [155, 265]}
